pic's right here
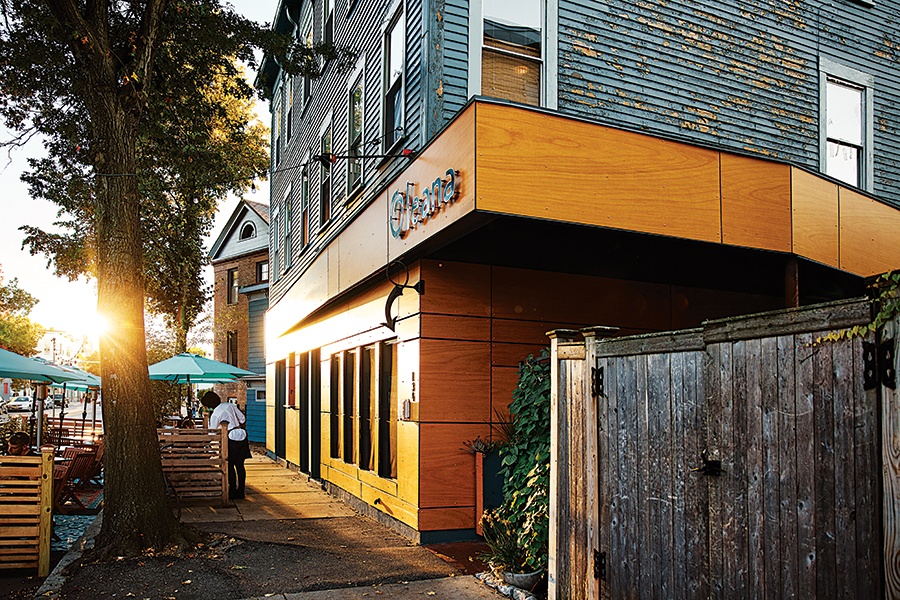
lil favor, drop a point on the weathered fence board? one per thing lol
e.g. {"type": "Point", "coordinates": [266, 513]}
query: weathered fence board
{"type": "Point", "coordinates": [735, 461]}
{"type": "Point", "coordinates": [195, 462]}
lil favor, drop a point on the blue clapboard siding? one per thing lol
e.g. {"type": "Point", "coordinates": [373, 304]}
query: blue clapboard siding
{"type": "Point", "coordinates": [361, 30]}
{"type": "Point", "coordinates": [741, 75]}
{"type": "Point", "coordinates": [456, 56]}
{"type": "Point", "coordinates": [256, 344]}
{"type": "Point", "coordinates": [256, 418]}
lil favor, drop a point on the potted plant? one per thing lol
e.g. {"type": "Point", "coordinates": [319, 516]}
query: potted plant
{"type": "Point", "coordinates": [507, 558]}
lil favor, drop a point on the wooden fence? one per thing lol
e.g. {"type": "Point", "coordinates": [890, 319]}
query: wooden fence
{"type": "Point", "coordinates": [736, 460]}
{"type": "Point", "coordinates": [26, 503]}
{"type": "Point", "coordinates": [195, 462]}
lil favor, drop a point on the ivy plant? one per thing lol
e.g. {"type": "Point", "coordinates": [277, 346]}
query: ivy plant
{"type": "Point", "coordinates": [526, 463]}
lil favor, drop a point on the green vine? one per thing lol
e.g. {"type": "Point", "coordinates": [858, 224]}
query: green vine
{"type": "Point", "coordinates": [885, 294]}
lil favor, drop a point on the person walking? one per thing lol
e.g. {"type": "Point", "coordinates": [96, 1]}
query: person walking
{"type": "Point", "coordinates": [238, 445]}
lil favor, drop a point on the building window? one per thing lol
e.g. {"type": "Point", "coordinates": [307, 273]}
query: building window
{"type": "Point", "coordinates": [231, 348]}
{"type": "Point", "coordinates": [307, 38]}
{"type": "Point", "coordinates": [262, 271]}
{"type": "Point", "coordinates": [247, 231]}
{"type": "Point", "coordinates": [288, 227]}
{"type": "Point", "coordinates": [348, 407]}
{"type": "Point", "coordinates": [512, 52]}
{"type": "Point", "coordinates": [394, 59]}
{"type": "Point", "coordinates": [304, 207]}
{"type": "Point", "coordinates": [289, 99]}
{"type": "Point", "coordinates": [328, 22]}
{"type": "Point", "coordinates": [846, 127]}
{"type": "Point", "coordinates": [276, 124]}
{"type": "Point", "coordinates": [325, 179]}
{"type": "Point", "coordinates": [355, 138]}
{"type": "Point", "coordinates": [233, 286]}
{"type": "Point", "coordinates": [365, 378]}
{"type": "Point", "coordinates": [334, 405]}
{"type": "Point", "coordinates": [276, 243]}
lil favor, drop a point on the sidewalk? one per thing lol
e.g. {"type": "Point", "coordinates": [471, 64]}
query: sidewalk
{"type": "Point", "coordinates": [290, 540]}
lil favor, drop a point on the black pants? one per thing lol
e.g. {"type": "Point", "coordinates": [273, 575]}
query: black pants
{"type": "Point", "coordinates": [238, 452]}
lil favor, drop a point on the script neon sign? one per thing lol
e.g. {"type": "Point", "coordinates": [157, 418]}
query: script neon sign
{"type": "Point", "coordinates": [408, 210]}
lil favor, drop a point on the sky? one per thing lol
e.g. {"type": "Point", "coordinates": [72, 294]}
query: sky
{"type": "Point", "coordinates": [64, 305]}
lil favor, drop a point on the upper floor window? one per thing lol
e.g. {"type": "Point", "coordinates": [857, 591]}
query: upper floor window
{"type": "Point", "coordinates": [325, 179]}
{"type": "Point", "coordinates": [513, 46]}
{"type": "Point", "coordinates": [247, 231]}
{"type": "Point", "coordinates": [328, 21]}
{"type": "Point", "coordinates": [355, 138]}
{"type": "Point", "coordinates": [233, 286]}
{"type": "Point", "coordinates": [276, 123]}
{"type": "Point", "coordinates": [289, 105]}
{"type": "Point", "coordinates": [306, 29]}
{"type": "Point", "coordinates": [394, 59]}
{"type": "Point", "coordinates": [288, 226]}
{"type": "Point", "coordinates": [512, 52]}
{"type": "Point", "coordinates": [231, 348]}
{"type": "Point", "coordinates": [846, 124]}
{"type": "Point", "coordinates": [276, 243]}
{"type": "Point", "coordinates": [304, 207]}
{"type": "Point", "coordinates": [262, 271]}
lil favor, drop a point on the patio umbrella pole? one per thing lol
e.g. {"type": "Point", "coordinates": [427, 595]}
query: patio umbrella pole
{"type": "Point", "coordinates": [94, 414]}
{"type": "Point", "coordinates": [83, 417]}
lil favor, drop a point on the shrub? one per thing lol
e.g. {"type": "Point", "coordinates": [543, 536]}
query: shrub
{"type": "Point", "coordinates": [526, 462]}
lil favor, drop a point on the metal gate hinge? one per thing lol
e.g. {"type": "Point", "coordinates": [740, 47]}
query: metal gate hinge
{"type": "Point", "coordinates": [878, 365]}
{"type": "Point", "coordinates": [597, 382]}
{"type": "Point", "coordinates": [599, 565]}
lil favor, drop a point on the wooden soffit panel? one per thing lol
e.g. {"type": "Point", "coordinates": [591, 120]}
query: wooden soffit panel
{"type": "Point", "coordinates": [870, 234]}
{"type": "Point", "coordinates": [756, 203]}
{"type": "Point", "coordinates": [545, 166]}
{"type": "Point", "coordinates": [815, 217]}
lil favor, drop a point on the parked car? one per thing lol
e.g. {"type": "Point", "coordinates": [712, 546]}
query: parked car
{"type": "Point", "coordinates": [20, 403]}
{"type": "Point", "coordinates": [48, 403]}
{"type": "Point", "coordinates": [59, 399]}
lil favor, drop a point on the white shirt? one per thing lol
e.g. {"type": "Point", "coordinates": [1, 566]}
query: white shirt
{"type": "Point", "coordinates": [226, 411]}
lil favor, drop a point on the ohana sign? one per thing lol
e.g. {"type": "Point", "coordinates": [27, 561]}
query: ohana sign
{"type": "Point", "coordinates": [408, 210]}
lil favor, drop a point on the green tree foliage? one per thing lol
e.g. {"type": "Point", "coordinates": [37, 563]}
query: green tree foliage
{"type": "Point", "coordinates": [94, 80]}
{"type": "Point", "coordinates": [17, 332]}
{"type": "Point", "coordinates": [526, 471]}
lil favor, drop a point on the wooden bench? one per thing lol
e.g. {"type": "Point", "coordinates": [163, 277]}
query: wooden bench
{"type": "Point", "coordinates": [26, 502]}
{"type": "Point", "coordinates": [195, 462]}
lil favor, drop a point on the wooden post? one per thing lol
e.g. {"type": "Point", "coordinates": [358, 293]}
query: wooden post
{"type": "Point", "coordinates": [557, 437]}
{"type": "Point", "coordinates": [46, 521]}
{"type": "Point", "coordinates": [890, 451]}
{"type": "Point", "coordinates": [223, 446]}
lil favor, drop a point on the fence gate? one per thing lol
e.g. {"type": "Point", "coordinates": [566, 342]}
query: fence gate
{"type": "Point", "coordinates": [736, 460]}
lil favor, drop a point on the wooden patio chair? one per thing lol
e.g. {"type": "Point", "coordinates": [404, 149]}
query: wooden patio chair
{"type": "Point", "coordinates": [80, 463]}
{"type": "Point", "coordinates": [92, 479]}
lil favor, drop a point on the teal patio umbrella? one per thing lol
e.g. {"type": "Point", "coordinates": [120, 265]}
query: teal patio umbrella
{"type": "Point", "coordinates": [193, 368]}
{"type": "Point", "coordinates": [17, 366]}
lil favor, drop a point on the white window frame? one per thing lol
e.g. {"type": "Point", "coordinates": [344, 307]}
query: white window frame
{"type": "Point", "coordinates": [550, 51]}
{"type": "Point", "coordinates": [836, 71]}
{"type": "Point", "coordinates": [356, 77]}
{"type": "Point", "coordinates": [326, 4]}
{"type": "Point", "coordinates": [305, 174]}
{"type": "Point", "coordinates": [275, 264]}
{"type": "Point", "coordinates": [287, 229]}
{"type": "Point", "coordinates": [393, 13]}
{"type": "Point", "coordinates": [323, 223]}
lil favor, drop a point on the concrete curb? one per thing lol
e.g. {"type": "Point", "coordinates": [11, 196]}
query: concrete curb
{"type": "Point", "coordinates": [55, 580]}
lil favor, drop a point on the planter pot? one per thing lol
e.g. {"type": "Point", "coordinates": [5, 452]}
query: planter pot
{"type": "Point", "coordinates": [525, 581]}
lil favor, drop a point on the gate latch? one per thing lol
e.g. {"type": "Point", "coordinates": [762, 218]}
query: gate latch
{"type": "Point", "coordinates": [599, 565]}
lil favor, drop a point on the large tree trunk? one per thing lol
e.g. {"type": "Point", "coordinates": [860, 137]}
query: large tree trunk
{"type": "Point", "coordinates": [136, 513]}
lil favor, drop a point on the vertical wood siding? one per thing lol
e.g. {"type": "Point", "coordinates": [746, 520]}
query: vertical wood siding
{"type": "Point", "coordinates": [794, 511]}
{"type": "Point", "coordinates": [741, 75]}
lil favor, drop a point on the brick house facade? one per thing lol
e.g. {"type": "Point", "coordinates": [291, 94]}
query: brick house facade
{"type": "Point", "coordinates": [240, 259]}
